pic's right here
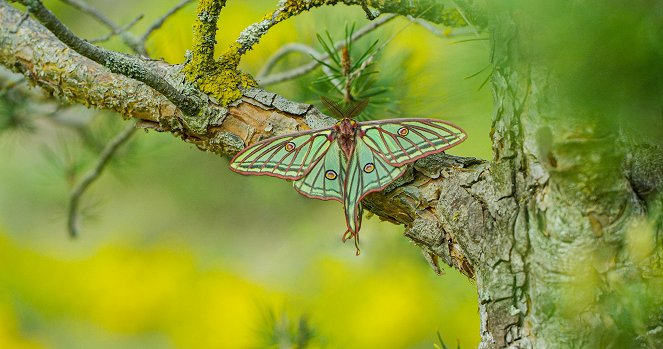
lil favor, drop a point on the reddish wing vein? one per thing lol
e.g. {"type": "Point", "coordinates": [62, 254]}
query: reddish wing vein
{"type": "Point", "coordinates": [422, 137]}
{"type": "Point", "coordinates": [271, 157]}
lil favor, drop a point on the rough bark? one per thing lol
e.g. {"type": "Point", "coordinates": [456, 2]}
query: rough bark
{"type": "Point", "coordinates": [560, 204]}
{"type": "Point", "coordinates": [551, 209]}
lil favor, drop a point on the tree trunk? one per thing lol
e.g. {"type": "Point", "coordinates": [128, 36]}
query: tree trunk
{"type": "Point", "coordinates": [562, 228]}
{"type": "Point", "coordinates": [566, 239]}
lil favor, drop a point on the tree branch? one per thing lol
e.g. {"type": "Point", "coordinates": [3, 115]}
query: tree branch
{"type": "Point", "coordinates": [204, 32]}
{"type": "Point", "coordinates": [104, 158]}
{"type": "Point", "coordinates": [431, 10]}
{"type": "Point", "coordinates": [115, 29]}
{"type": "Point", "coordinates": [370, 15]}
{"type": "Point", "coordinates": [444, 203]}
{"type": "Point", "coordinates": [129, 66]}
{"type": "Point", "coordinates": [122, 31]}
{"type": "Point", "coordinates": [282, 52]}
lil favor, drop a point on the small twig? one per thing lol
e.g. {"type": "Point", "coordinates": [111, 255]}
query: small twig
{"type": "Point", "coordinates": [78, 191]}
{"type": "Point", "coordinates": [289, 74]}
{"type": "Point", "coordinates": [93, 12]}
{"type": "Point", "coordinates": [204, 33]}
{"type": "Point", "coordinates": [431, 28]}
{"type": "Point", "coordinates": [119, 32]}
{"type": "Point", "coordinates": [469, 24]}
{"type": "Point", "coordinates": [308, 67]}
{"type": "Point", "coordinates": [282, 52]}
{"type": "Point", "coordinates": [369, 13]}
{"type": "Point", "coordinates": [115, 29]}
{"type": "Point", "coordinates": [161, 20]}
{"type": "Point", "coordinates": [346, 64]}
{"type": "Point", "coordinates": [252, 34]}
{"type": "Point", "coordinates": [447, 32]}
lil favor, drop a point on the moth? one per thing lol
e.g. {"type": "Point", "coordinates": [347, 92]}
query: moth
{"type": "Point", "coordinates": [348, 160]}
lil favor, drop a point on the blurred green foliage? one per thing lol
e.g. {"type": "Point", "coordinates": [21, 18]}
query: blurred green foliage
{"type": "Point", "coordinates": [628, 299]}
{"type": "Point", "coordinates": [606, 56]}
{"type": "Point", "coordinates": [13, 113]}
{"type": "Point", "coordinates": [180, 252]}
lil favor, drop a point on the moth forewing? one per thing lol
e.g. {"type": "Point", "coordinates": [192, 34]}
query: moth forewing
{"type": "Point", "coordinates": [400, 141]}
{"type": "Point", "coordinates": [289, 157]}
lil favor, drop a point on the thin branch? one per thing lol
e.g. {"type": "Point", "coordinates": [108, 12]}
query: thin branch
{"type": "Point", "coordinates": [308, 67]}
{"type": "Point", "coordinates": [129, 66]}
{"type": "Point", "coordinates": [447, 32]}
{"type": "Point", "coordinates": [369, 13]}
{"type": "Point", "coordinates": [282, 52]}
{"type": "Point", "coordinates": [161, 20]}
{"type": "Point", "coordinates": [254, 32]}
{"type": "Point", "coordinates": [114, 28]}
{"type": "Point", "coordinates": [462, 14]}
{"type": "Point", "coordinates": [120, 31]}
{"type": "Point", "coordinates": [93, 12]}
{"type": "Point", "coordinates": [104, 158]}
{"type": "Point", "coordinates": [204, 36]}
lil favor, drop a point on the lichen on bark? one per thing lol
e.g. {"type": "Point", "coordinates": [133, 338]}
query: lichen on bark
{"type": "Point", "coordinates": [218, 78]}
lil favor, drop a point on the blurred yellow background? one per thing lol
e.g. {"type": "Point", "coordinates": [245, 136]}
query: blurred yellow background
{"type": "Point", "coordinates": [178, 252]}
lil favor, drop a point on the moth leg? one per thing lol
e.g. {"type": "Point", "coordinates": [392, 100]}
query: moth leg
{"type": "Point", "coordinates": [358, 219]}
{"type": "Point", "coordinates": [353, 216]}
{"type": "Point", "coordinates": [349, 234]}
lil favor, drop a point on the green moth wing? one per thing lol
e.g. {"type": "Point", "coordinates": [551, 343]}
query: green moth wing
{"type": "Point", "coordinates": [289, 157]}
{"type": "Point", "coordinates": [326, 180]}
{"type": "Point", "coordinates": [349, 160]}
{"type": "Point", "coordinates": [367, 172]}
{"type": "Point", "coordinates": [400, 141]}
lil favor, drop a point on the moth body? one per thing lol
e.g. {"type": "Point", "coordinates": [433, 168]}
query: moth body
{"type": "Point", "coordinates": [345, 132]}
